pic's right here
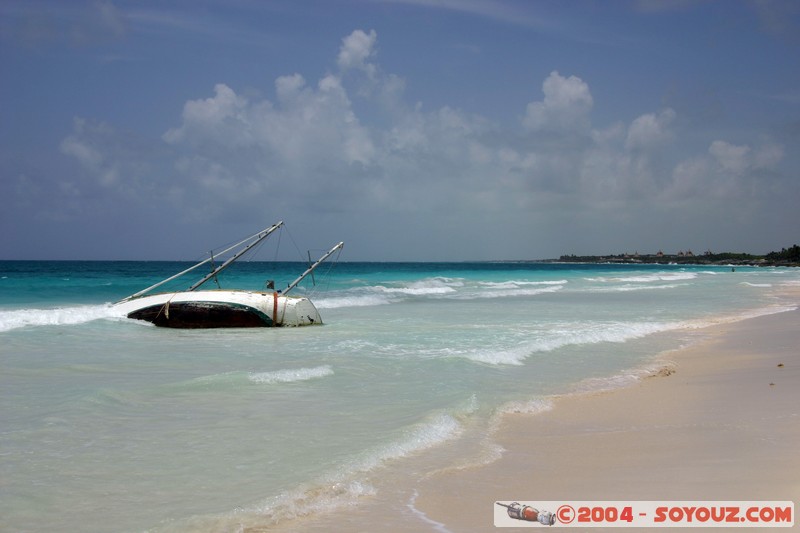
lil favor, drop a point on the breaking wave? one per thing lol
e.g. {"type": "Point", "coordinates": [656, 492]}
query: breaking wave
{"type": "Point", "coordinates": [571, 334]}
{"type": "Point", "coordinates": [436, 288]}
{"type": "Point", "coordinates": [648, 278]}
{"type": "Point", "coordinates": [290, 375]}
{"type": "Point", "coordinates": [61, 316]}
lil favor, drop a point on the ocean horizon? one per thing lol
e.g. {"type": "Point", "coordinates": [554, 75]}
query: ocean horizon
{"type": "Point", "coordinates": [111, 424]}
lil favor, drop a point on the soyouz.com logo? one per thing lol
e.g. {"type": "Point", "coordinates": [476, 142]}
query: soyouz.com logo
{"type": "Point", "coordinates": [618, 514]}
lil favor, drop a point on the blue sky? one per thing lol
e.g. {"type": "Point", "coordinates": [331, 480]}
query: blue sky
{"type": "Point", "coordinates": [410, 129]}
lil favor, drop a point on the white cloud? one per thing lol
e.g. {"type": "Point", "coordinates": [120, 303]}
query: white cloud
{"type": "Point", "coordinates": [222, 118]}
{"type": "Point", "coordinates": [650, 130]}
{"type": "Point", "coordinates": [356, 49]}
{"type": "Point", "coordinates": [726, 171]}
{"type": "Point", "coordinates": [86, 155]}
{"type": "Point", "coordinates": [311, 142]}
{"type": "Point", "coordinates": [305, 125]}
{"type": "Point", "coordinates": [288, 87]}
{"type": "Point", "coordinates": [566, 105]}
{"type": "Point", "coordinates": [732, 159]}
{"type": "Point", "coordinates": [313, 146]}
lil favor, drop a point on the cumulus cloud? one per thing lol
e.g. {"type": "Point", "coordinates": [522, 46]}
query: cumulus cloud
{"type": "Point", "coordinates": [305, 124]}
{"type": "Point", "coordinates": [356, 49]}
{"type": "Point", "coordinates": [566, 105]}
{"type": "Point", "coordinates": [222, 118]}
{"type": "Point", "coordinates": [311, 147]}
{"type": "Point", "coordinates": [731, 158]}
{"type": "Point", "coordinates": [311, 137]}
{"type": "Point", "coordinates": [650, 130]}
{"type": "Point", "coordinates": [726, 171]}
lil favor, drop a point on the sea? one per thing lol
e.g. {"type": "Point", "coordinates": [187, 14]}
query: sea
{"type": "Point", "coordinates": [108, 424]}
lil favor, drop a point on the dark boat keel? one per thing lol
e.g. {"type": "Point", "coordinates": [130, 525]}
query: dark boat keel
{"type": "Point", "coordinates": [197, 315]}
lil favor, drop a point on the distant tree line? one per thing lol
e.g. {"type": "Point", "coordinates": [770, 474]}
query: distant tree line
{"type": "Point", "coordinates": [786, 257]}
{"type": "Point", "coordinates": [792, 255]}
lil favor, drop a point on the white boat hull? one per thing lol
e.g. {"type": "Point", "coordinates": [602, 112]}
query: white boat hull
{"type": "Point", "coordinates": [221, 309]}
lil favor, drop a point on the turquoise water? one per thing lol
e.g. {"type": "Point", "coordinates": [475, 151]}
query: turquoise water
{"type": "Point", "coordinates": [109, 424]}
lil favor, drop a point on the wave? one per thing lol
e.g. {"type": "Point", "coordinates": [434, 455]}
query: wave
{"type": "Point", "coordinates": [236, 379]}
{"type": "Point", "coordinates": [513, 284]}
{"type": "Point", "coordinates": [563, 335]}
{"type": "Point", "coordinates": [290, 375]}
{"type": "Point", "coordinates": [229, 382]}
{"type": "Point", "coordinates": [373, 295]}
{"type": "Point", "coordinates": [425, 287]}
{"type": "Point", "coordinates": [367, 300]}
{"type": "Point", "coordinates": [706, 322]}
{"type": "Point", "coordinates": [648, 278]}
{"type": "Point", "coordinates": [530, 407]}
{"type": "Point", "coordinates": [559, 336]}
{"type": "Point", "coordinates": [631, 288]}
{"type": "Point", "coordinates": [61, 316]}
{"type": "Point", "coordinates": [343, 487]}
{"type": "Point", "coordinates": [515, 292]}
{"type": "Point", "coordinates": [438, 429]}
{"type": "Point", "coordinates": [439, 288]}
{"type": "Point", "coordinates": [620, 380]}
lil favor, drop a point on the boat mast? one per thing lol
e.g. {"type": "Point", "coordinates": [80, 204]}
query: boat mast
{"type": "Point", "coordinates": [310, 269]}
{"type": "Point", "coordinates": [201, 263]}
{"type": "Point", "coordinates": [259, 237]}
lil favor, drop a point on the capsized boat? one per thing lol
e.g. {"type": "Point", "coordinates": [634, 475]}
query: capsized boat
{"type": "Point", "coordinates": [225, 308]}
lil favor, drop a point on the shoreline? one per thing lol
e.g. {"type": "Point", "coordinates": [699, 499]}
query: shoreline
{"type": "Point", "coordinates": [719, 421]}
{"type": "Point", "coordinates": [723, 424]}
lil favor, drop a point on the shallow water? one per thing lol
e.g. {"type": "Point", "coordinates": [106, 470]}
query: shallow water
{"type": "Point", "coordinates": [109, 424]}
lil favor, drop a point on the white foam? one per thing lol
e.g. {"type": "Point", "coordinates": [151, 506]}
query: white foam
{"type": "Point", "coordinates": [520, 291]}
{"type": "Point", "coordinates": [433, 524]}
{"type": "Point", "coordinates": [341, 488]}
{"type": "Point", "coordinates": [513, 284]}
{"type": "Point", "coordinates": [290, 375]}
{"type": "Point", "coordinates": [352, 301]}
{"type": "Point", "coordinates": [514, 356]}
{"type": "Point", "coordinates": [630, 288]}
{"type": "Point", "coordinates": [417, 289]}
{"type": "Point", "coordinates": [572, 334]}
{"type": "Point", "coordinates": [661, 276]}
{"type": "Point", "coordinates": [617, 381]}
{"type": "Point", "coordinates": [301, 502]}
{"type": "Point", "coordinates": [437, 430]}
{"type": "Point", "coordinates": [744, 315]}
{"type": "Point", "coordinates": [61, 316]}
{"type": "Point", "coordinates": [383, 294]}
{"type": "Point", "coordinates": [648, 278]}
{"type": "Point", "coordinates": [438, 287]}
{"type": "Point", "coordinates": [531, 407]}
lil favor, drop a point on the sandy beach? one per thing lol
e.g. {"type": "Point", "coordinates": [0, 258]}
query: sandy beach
{"type": "Point", "coordinates": [720, 421]}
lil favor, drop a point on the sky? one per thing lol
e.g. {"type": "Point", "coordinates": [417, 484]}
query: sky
{"type": "Point", "coordinates": [412, 130]}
